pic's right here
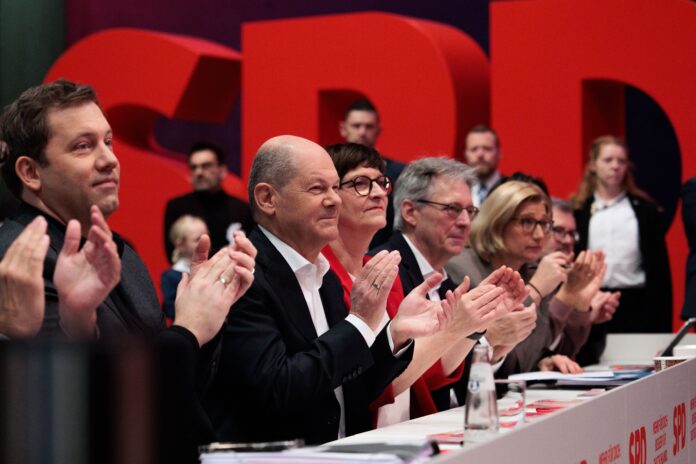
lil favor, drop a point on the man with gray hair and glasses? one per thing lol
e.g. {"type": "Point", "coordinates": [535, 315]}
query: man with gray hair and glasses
{"type": "Point", "coordinates": [432, 221]}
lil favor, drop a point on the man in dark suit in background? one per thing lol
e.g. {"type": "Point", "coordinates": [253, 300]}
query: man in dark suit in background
{"type": "Point", "coordinates": [295, 363]}
{"type": "Point", "coordinates": [482, 152]}
{"type": "Point", "coordinates": [221, 212]}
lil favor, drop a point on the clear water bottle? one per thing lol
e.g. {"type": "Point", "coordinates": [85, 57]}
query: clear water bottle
{"type": "Point", "coordinates": [481, 409]}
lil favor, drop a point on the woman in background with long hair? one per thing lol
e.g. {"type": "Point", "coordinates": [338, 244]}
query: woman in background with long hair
{"type": "Point", "coordinates": [617, 217]}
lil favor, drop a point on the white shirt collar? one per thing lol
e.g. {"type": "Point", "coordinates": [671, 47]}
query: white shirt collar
{"type": "Point", "coordinates": [426, 269]}
{"type": "Point", "coordinates": [295, 260]}
{"type": "Point", "coordinates": [600, 204]}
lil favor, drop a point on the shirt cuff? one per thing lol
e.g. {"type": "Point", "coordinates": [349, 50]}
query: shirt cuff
{"type": "Point", "coordinates": [484, 341]}
{"type": "Point", "coordinates": [363, 328]}
{"type": "Point", "coordinates": [391, 344]}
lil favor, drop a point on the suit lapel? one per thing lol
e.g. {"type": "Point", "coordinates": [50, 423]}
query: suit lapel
{"type": "Point", "coordinates": [284, 285]}
{"type": "Point", "coordinates": [331, 294]}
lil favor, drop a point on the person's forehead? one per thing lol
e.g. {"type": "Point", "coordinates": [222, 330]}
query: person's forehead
{"type": "Point", "coordinates": [563, 218]}
{"type": "Point", "coordinates": [361, 117]}
{"type": "Point", "coordinates": [363, 170]}
{"type": "Point", "coordinates": [611, 149]}
{"type": "Point", "coordinates": [202, 156]}
{"type": "Point", "coordinates": [450, 190]}
{"type": "Point", "coordinates": [313, 162]}
{"type": "Point", "coordinates": [480, 138]}
{"type": "Point", "coordinates": [74, 120]}
{"type": "Point", "coordinates": [531, 208]}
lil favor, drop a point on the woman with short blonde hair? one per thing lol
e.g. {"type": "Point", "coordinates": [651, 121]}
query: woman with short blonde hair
{"type": "Point", "coordinates": [487, 230]}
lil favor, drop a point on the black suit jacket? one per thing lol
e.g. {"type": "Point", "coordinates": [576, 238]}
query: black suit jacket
{"type": "Point", "coordinates": [688, 194]}
{"type": "Point", "coordinates": [276, 379]}
{"type": "Point", "coordinates": [411, 277]}
{"type": "Point", "coordinates": [132, 307]}
{"type": "Point", "coordinates": [656, 312]}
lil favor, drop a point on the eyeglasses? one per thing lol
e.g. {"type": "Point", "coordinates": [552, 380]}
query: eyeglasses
{"type": "Point", "coordinates": [529, 225]}
{"type": "Point", "coordinates": [453, 210]}
{"type": "Point", "coordinates": [560, 233]}
{"type": "Point", "coordinates": [204, 166]}
{"type": "Point", "coordinates": [363, 184]}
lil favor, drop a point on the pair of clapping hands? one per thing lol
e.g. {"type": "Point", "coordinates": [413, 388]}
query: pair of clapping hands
{"type": "Point", "coordinates": [463, 311]}
{"type": "Point", "coordinates": [85, 276]}
{"type": "Point", "coordinates": [580, 282]}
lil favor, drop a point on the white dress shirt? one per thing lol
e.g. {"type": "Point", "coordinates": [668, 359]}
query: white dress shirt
{"type": "Point", "coordinates": [614, 230]}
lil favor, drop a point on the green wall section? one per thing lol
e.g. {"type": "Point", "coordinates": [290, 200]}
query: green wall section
{"type": "Point", "coordinates": [32, 36]}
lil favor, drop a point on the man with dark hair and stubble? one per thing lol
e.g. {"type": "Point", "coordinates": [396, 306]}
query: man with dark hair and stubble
{"type": "Point", "coordinates": [221, 212]}
{"type": "Point", "coordinates": [482, 153]}
{"type": "Point", "coordinates": [59, 161]}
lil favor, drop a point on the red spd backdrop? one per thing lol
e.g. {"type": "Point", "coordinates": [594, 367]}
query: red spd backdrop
{"type": "Point", "coordinates": [558, 71]}
{"type": "Point", "coordinates": [556, 78]}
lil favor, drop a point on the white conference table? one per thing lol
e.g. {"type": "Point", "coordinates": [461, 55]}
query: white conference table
{"type": "Point", "coordinates": [599, 429]}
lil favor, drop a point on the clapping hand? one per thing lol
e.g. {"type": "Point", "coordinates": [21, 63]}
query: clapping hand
{"type": "Point", "coordinates": [22, 303]}
{"type": "Point", "coordinates": [85, 277]}
{"type": "Point", "coordinates": [418, 316]}
{"type": "Point", "coordinates": [603, 306]}
{"type": "Point", "coordinates": [504, 333]}
{"type": "Point", "coordinates": [552, 271]}
{"type": "Point", "coordinates": [204, 298]}
{"type": "Point", "coordinates": [515, 291]}
{"type": "Point", "coordinates": [473, 310]}
{"type": "Point", "coordinates": [368, 299]}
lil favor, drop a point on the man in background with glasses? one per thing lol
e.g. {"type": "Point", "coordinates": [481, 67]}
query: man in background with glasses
{"type": "Point", "coordinates": [222, 213]}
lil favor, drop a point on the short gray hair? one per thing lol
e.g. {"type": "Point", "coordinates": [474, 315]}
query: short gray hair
{"type": "Point", "coordinates": [415, 182]}
{"type": "Point", "coordinates": [273, 164]}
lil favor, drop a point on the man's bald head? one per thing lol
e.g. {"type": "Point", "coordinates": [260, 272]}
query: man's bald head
{"type": "Point", "coordinates": [293, 191]}
{"type": "Point", "coordinates": [275, 162]}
